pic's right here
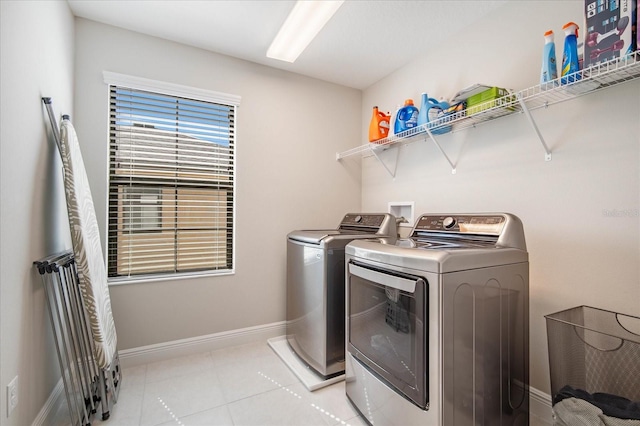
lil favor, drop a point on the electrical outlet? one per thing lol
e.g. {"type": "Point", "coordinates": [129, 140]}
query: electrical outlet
{"type": "Point", "coordinates": [12, 395]}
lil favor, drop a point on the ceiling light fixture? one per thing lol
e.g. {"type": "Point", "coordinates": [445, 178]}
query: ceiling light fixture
{"type": "Point", "coordinates": [304, 22]}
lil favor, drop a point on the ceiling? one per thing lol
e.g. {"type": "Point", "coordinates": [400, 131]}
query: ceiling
{"type": "Point", "coordinates": [365, 40]}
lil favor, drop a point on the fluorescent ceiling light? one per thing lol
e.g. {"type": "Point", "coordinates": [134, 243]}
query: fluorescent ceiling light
{"type": "Point", "coordinates": [304, 22]}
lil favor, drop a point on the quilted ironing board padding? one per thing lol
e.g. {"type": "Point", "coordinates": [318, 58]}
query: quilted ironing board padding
{"type": "Point", "coordinates": [86, 246]}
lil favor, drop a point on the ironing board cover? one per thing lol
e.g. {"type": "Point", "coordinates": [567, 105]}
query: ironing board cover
{"type": "Point", "coordinates": [86, 247]}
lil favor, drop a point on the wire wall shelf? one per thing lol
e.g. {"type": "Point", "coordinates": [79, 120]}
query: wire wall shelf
{"type": "Point", "coordinates": [589, 80]}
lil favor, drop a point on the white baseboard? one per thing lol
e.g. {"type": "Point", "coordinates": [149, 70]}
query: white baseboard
{"type": "Point", "coordinates": [540, 405]}
{"type": "Point", "coordinates": [194, 345]}
{"type": "Point", "coordinates": [47, 415]}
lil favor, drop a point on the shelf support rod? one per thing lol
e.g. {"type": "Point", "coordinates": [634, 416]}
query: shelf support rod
{"type": "Point", "coordinates": [527, 113]}
{"type": "Point", "coordinates": [392, 173]}
{"type": "Point", "coordinates": [453, 167]}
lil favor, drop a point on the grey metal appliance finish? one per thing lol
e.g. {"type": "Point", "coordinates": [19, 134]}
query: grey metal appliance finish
{"type": "Point", "coordinates": [472, 338]}
{"type": "Point", "coordinates": [315, 287]}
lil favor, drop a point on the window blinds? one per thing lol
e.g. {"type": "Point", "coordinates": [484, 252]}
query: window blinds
{"type": "Point", "coordinates": [171, 184]}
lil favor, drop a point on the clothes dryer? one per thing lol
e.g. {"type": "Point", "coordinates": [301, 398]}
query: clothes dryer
{"type": "Point", "coordinates": [315, 287]}
{"type": "Point", "coordinates": [438, 324]}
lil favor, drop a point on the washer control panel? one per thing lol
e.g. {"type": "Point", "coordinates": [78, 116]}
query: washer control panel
{"type": "Point", "coordinates": [378, 224]}
{"type": "Point", "coordinates": [365, 220]}
{"type": "Point", "coordinates": [472, 224]}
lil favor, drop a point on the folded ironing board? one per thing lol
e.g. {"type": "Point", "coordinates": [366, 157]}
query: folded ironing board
{"type": "Point", "coordinates": [86, 247]}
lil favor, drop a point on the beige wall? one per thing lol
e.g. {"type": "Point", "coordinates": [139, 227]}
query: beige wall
{"type": "Point", "coordinates": [36, 60]}
{"type": "Point", "coordinates": [578, 253]}
{"type": "Point", "coordinates": [289, 129]}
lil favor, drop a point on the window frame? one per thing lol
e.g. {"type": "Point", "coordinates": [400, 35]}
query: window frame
{"type": "Point", "coordinates": [175, 90]}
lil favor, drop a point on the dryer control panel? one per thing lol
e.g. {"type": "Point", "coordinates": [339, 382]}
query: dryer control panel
{"type": "Point", "coordinates": [461, 224]}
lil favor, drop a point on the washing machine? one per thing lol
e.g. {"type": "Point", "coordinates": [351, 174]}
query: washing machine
{"type": "Point", "coordinates": [437, 325]}
{"type": "Point", "coordinates": [315, 288]}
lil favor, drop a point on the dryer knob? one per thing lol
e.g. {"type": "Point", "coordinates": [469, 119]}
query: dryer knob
{"type": "Point", "coordinates": [358, 219]}
{"type": "Point", "coordinates": [448, 222]}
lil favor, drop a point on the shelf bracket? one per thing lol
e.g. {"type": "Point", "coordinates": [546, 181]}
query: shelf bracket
{"type": "Point", "coordinates": [395, 167]}
{"type": "Point", "coordinates": [527, 113]}
{"type": "Point", "coordinates": [453, 166]}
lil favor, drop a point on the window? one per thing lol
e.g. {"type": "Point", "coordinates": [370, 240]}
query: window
{"type": "Point", "coordinates": [171, 179]}
{"type": "Point", "coordinates": [142, 212]}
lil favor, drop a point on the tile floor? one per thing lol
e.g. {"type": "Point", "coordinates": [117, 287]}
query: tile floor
{"type": "Point", "coordinates": [242, 385]}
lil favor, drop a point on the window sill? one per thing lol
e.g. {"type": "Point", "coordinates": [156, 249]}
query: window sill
{"type": "Point", "coordinates": [157, 278]}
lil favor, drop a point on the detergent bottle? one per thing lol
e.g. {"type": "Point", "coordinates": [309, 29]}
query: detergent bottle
{"type": "Point", "coordinates": [430, 111]}
{"type": "Point", "coordinates": [570, 63]}
{"type": "Point", "coordinates": [379, 125]}
{"type": "Point", "coordinates": [407, 117]}
{"type": "Point", "coordinates": [549, 67]}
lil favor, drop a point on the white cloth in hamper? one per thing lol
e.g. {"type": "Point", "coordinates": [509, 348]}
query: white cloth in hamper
{"type": "Point", "coordinates": [578, 412]}
{"type": "Point", "coordinates": [86, 247]}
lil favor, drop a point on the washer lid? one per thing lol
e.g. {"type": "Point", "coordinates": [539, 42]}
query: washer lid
{"type": "Point", "coordinates": [319, 236]}
{"type": "Point", "coordinates": [312, 236]}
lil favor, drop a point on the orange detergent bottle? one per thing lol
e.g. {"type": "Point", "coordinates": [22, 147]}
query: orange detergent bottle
{"type": "Point", "coordinates": [379, 125]}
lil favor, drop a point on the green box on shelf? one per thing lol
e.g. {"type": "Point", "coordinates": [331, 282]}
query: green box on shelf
{"type": "Point", "coordinates": [493, 97]}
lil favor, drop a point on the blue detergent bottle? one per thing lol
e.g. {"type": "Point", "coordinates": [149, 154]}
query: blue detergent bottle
{"type": "Point", "coordinates": [423, 114]}
{"type": "Point", "coordinates": [549, 67]}
{"type": "Point", "coordinates": [407, 117]}
{"type": "Point", "coordinates": [570, 64]}
{"type": "Point", "coordinates": [430, 111]}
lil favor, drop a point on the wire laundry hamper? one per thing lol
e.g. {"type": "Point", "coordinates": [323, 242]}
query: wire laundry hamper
{"type": "Point", "coordinates": [594, 357]}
